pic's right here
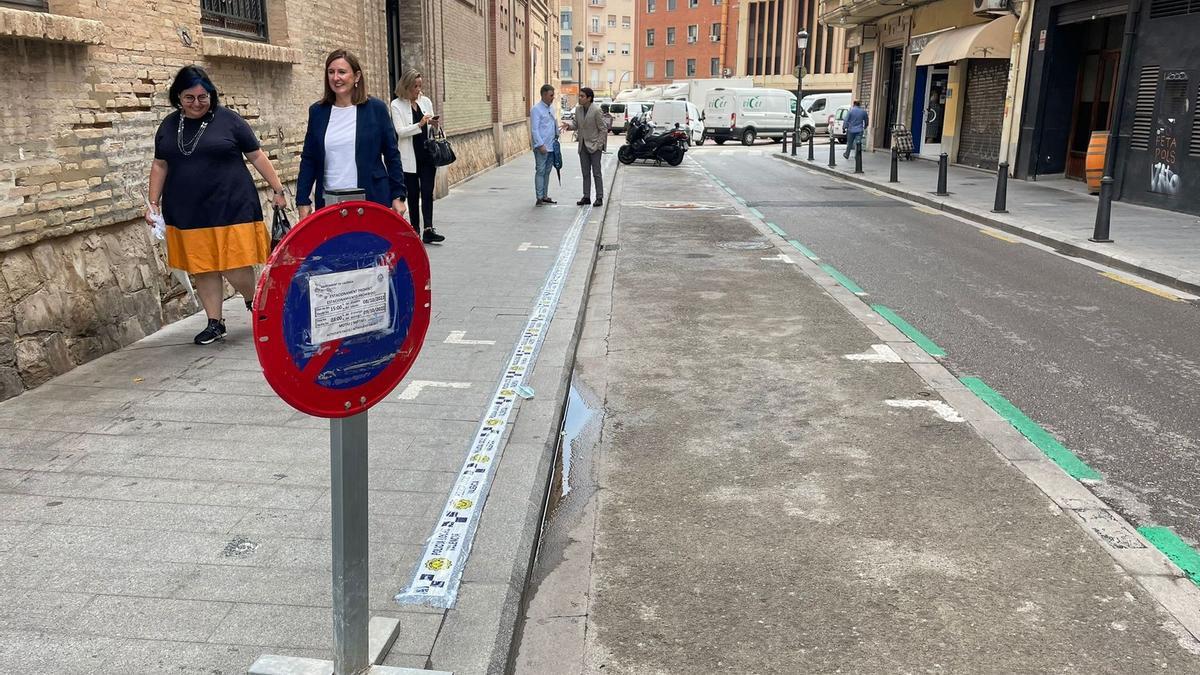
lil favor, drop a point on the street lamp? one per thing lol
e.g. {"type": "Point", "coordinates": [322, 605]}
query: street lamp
{"type": "Point", "coordinates": [801, 45]}
{"type": "Point", "coordinates": [579, 57]}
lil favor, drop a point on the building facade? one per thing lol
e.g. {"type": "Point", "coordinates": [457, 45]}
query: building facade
{"type": "Point", "coordinates": [766, 36]}
{"type": "Point", "coordinates": [86, 88]}
{"type": "Point", "coordinates": [686, 39]}
{"type": "Point", "coordinates": [940, 70]}
{"type": "Point", "coordinates": [597, 46]}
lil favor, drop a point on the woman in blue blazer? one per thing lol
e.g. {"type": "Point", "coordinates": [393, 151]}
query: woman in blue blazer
{"type": "Point", "coordinates": [350, 142]}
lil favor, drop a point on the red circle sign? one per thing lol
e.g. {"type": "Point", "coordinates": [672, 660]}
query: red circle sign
{"type": "Point", "coordinates": [340, 312]}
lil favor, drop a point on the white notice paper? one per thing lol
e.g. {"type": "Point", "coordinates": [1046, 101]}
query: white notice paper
{"type": "Point", "coordinates": [343, 304]}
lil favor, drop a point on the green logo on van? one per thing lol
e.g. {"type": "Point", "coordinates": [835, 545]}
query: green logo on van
{"type": "Point", "coordinates": [720, 102]}
{"type": "Point", "coordinates": [752, 103]}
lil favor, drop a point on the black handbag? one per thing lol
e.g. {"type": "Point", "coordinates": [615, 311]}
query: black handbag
{"type": "Point", "coordinates": [439, 148]}
{"type": "Point", "coordinates": [280, 226]}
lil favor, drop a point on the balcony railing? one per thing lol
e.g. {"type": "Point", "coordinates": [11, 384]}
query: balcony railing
{"type": "Point", "coordinates": [594, 29]}
{"type": "Point", "coordinates": [596, 3]}
{"type": "Point", "coordinates": [854, 12]}
{"type": "Point", "coordinates": [240, 18]}
{"type": "Point", "coordinates": [595, 58]}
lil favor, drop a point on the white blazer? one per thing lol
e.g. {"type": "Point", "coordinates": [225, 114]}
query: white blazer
{"type": "Point", "coordinates": [406, 129]}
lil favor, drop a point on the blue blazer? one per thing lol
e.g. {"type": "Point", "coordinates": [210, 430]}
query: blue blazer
{"type": "Point", "coordinates": [375, 154]}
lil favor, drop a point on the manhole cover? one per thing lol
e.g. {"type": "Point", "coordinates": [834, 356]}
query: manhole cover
{"type": "Point", "coordinates": [745, 245]}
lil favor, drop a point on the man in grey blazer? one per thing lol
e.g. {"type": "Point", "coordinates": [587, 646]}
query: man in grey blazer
{"type": "Point", "coordinates": [592, 133]}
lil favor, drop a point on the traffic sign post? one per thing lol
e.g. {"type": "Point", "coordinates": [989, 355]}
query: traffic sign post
{"type": "Point", "coordinates": [340, 314]}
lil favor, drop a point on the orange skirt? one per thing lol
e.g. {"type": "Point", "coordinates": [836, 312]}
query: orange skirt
{"type": "Point", "coordinates": [216, 249]}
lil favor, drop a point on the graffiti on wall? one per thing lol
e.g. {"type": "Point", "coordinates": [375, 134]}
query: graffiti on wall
{"type": "Point", "coordinates": [1173, 107]}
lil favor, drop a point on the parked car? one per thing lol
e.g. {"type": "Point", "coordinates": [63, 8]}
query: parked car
{"type": "Point", "coordinates": [666, 114]}
{"type": "Point", "coordinates": [746, 114]}
{"type": "Point", "coordinates": [623, 112]}
{"type": "Point", "coordinates": [837, 124]}
{"type": "Point", "coordinates": [568, 118]}
{"type": "Point", "coordinates": [821, 106]}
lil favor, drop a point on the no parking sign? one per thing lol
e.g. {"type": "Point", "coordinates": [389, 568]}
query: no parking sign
{"type": "Point", "coordinates": [341, 311]}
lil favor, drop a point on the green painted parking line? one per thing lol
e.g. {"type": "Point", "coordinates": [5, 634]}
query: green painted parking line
{"type": "Point", "coordinates": [729, 190]}
{"type": "Point", "coordinates": [775, 228]}
{"type": "Point", "coordinates": [803, 249]}
{"type": "Point", "coordinates": [843, 280]}
{"type": "Point", "coordinates": [1064, 458]}
{"type": "Point", "coordinates": [740, 200]}
{"type": "Point", "coordinates": [1174, 548]}
{"type": "Point", "coordinates": [759, 214]}
{"type": "Point", "coordinates": [913, 334]}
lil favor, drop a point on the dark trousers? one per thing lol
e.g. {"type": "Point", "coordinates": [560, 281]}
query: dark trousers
{"type": "Point", "coordinates": [420, 195]}
{"type": "Point", "coordinates": [590, 162]}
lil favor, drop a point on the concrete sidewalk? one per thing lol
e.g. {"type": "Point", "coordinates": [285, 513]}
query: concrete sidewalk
{"type": "Point", "coordinates": [782, 482]}
{"type": "Point", "coordinates": [161, 510]}
{"type": "Point", "coordinates": [1160, 245]}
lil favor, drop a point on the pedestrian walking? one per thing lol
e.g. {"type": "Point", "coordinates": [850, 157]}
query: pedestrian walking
{"type": "Point", "coordinates": [412, 115]}
{"type": "Point", "coordinates": [592, 133]}
{"type": "Point", "coordinates": [856, 125]}
{"type": "Point", "coordinates": [350, 143]}
{"type": "Point", "coordinates": [544, 131]}
{"type": "Point", "coordinates": [200, 187]}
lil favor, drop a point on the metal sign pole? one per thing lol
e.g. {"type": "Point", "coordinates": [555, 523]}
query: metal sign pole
{"type": "Point", "coordinates": [348, 478]}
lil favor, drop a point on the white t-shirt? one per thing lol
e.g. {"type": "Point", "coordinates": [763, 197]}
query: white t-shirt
{"type": "Point", "coordinates": [341, 172]}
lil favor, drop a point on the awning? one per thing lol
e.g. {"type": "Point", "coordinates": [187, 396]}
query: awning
{"type": "Point", "coordinates": [991, 40]}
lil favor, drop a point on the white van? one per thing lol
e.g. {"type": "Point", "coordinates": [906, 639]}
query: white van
{"type": "Point", "coordinates": [746, 114]}
{"type": "Point", "coordinates": [624, 111]}
{"type": "Point", "coordinates": [666, 114]}
{"type": "Point", "coordinates": [821, 107]}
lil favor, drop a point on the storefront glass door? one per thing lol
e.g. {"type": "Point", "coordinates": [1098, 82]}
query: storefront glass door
{"type": "Point", "coordinates": [935, 111]}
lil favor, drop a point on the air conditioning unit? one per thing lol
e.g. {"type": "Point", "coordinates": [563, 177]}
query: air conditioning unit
{"type": "Point", "coordinates": [990, 6]}
{"type": "Point", "coordinates": [714, 38]}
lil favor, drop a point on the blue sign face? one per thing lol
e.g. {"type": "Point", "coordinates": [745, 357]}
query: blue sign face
{"type": "Point", "coordinates": [358, 358]}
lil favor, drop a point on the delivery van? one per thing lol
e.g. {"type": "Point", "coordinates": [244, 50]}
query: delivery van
{"type": "Point", "coordinates": [668, 114]}
{"type": "Point", "coordinates": [821, 107]}
{"type": "Point", "coordinates": [747, 114]}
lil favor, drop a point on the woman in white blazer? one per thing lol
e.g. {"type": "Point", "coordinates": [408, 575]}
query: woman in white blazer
{"type": "Point", "coordinates": [412, 115]}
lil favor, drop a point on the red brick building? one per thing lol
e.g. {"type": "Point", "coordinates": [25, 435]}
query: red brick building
{"type": "Point", "coordinates": [685, 39]}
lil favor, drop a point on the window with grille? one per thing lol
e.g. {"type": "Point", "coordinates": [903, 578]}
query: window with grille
{"type": "Point", "coordinates": [670, 72]}
{"type": "Point", "coordinates": [239, 18]}
{"type": "Point", "coordinates": [649, 37]}
{"type": "Point", "coordinates": [691, 67]}
{"type": "Point", "coordinates": [1194, 139]}
{"type": "Point", "coordinates": [649, 6]}
{"type": "Point", "coordinates": [714, 66]}
{"type": "Point", "coordinates": [670, 35]}
{"type": "Point", "coordinates": [1143, 115]}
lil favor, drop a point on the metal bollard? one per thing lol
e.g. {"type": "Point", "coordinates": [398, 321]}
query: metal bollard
{"type": "Point", "coordinates": [895, 177]}
{"type": "Point", "coordinates": [810, 147]}
{"type": "Point", "coordinates": [943, 166]}
{"type": "Point", "coordinates": [793, 144]}
{"type": "Point", "coordinates": [858, 156]}
{"type": "Point", "coordinates": [1001, 188]}
{"type": "Point", "coordinates": [832, 159]}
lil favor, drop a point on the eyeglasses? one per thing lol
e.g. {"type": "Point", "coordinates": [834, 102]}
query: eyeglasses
{"type": "Point", "coordinates": [189, 99]}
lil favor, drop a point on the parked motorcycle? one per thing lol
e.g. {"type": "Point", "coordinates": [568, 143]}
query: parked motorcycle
{"type": "Point", "coordinates": [642, 143]}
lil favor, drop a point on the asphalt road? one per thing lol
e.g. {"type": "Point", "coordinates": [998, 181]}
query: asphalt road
{"type": "Point", "coordinates": [1113, 372]}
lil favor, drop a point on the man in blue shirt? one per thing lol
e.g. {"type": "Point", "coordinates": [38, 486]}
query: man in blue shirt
{"type": "Point", "coordinates": [856, 124]}
{"type": "Point", "coordinates": [544, 130]}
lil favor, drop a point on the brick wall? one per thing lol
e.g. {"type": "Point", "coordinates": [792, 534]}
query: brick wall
{"type": "Point", "coordinates": [983, 113]}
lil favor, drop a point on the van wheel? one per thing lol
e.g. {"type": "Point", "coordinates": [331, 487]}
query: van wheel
{"type": "Point", "coordinates": [748, 137]}
{"type": "Point", "coordinates": [703, 137]}
{"type": "Point", "coordinates": [719, 141]}
{"type": "Point", "coordinates": [805, 134]}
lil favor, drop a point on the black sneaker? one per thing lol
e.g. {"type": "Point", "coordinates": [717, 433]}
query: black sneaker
{"type": "Point", "coordinates": [214, 332]}
{"type": "Point", "coordinates": [249, 305]}
{"type": "Point", "coordinates": [432, 237]}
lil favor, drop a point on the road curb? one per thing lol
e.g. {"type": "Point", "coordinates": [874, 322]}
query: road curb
{"type": "Point", "coordinates": [480, 634]}
{"type": "Point", "coordinates": [1166, 276]}
{"type": "Point", "coordinates": [1164, 581]}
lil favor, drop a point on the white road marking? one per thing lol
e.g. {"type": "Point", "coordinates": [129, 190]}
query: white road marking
{"type": "Point", "coordinates": [877, 354]}
{"type": "Point", "coordinates": [415, 388]}
{"type": "Point", "coordinates": [782, 257]}
{"type": "Point", "coordinates": [525, 246]}
{"type": "Point", "coordinates": [456, 338]}
{"type": "Point", "coordinates": [942, 408]}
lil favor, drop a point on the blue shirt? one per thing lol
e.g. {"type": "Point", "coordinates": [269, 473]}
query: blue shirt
{"type": "Point", "coordinates": [856, 120]}
{"type": "Point", "coordinates": [542, 118]}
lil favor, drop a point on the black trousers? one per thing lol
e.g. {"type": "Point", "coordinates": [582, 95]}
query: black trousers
{"type": "Point", "coordinates": [420, 194]}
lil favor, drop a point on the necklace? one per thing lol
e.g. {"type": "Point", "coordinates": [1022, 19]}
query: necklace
{"type": "Point", "coordinates": [188, 147]}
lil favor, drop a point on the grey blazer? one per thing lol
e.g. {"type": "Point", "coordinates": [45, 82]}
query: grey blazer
{"type": "Point", "coordinates": [591, 130]}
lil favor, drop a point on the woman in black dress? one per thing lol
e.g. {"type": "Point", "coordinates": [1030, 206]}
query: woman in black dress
{"type": "Point", "coordinates": [201, 187]}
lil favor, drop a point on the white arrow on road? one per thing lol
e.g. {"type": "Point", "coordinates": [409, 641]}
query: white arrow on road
{"type": "Point", "coordinates": [782, 257]}
{"type": "Point", "coordinates": [415, 388]}
{"type": "Point", "coordinates": [525, 246]}
{"type": "Point", "coordinates": [456, 338]}
{"type": "Point", "coordinates": [942, 408]}
{"type": "Point", "coordinates": [877, 354]}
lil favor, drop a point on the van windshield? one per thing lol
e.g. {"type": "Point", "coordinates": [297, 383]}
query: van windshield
{"type": "Point", "coordinates": [616, 108]}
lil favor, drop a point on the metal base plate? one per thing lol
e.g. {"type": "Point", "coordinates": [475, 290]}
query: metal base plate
{"type": "Point", "coordinates": [382, 633]}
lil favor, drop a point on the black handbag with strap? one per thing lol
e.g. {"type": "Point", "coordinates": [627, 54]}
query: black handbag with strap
{"type": "Point", "coordinates": [279, 227]}
{"type": "Point", "coordinates": [439, 148]}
